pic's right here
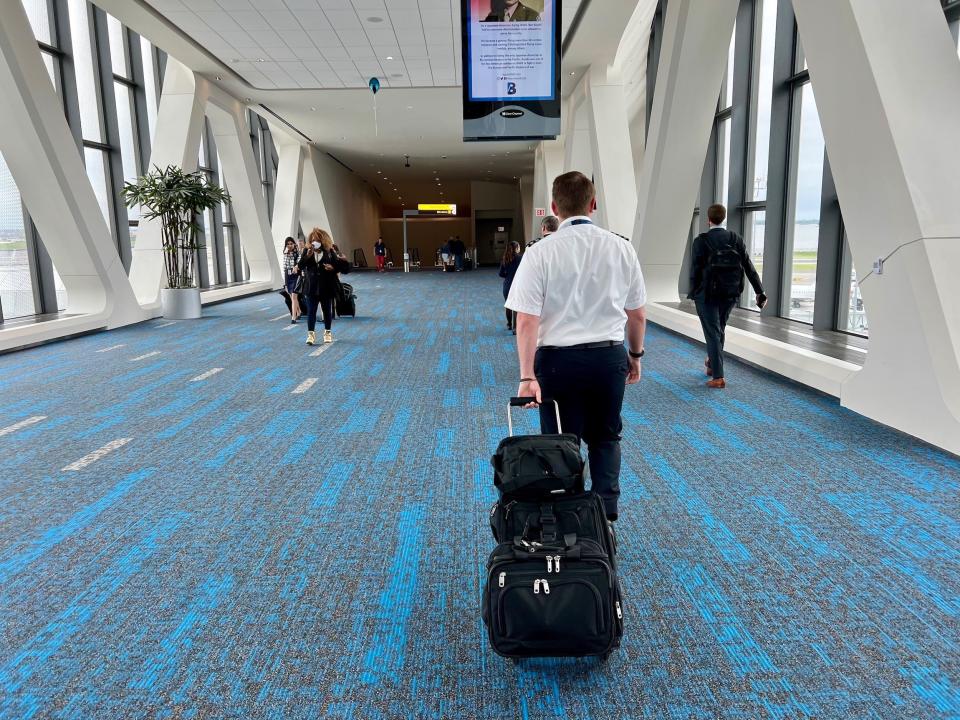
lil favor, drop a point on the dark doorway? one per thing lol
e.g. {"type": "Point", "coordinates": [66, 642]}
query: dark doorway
{"type": "Point", "coordinates": [492, 238]}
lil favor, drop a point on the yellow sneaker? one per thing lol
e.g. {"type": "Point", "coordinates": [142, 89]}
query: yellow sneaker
{"type": "Point", "coordinates": [311, 337]}
{"type": "Point", "coordinates": [327, 336]}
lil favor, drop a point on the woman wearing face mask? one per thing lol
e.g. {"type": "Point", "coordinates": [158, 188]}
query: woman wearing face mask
{"type": "Point", "coordinates": [290, 275]}
{"type": "Point", "coordinates": [320, 264]}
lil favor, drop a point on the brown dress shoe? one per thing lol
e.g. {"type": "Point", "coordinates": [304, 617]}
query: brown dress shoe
{"type": "Point", "coordinates": [718, 383]}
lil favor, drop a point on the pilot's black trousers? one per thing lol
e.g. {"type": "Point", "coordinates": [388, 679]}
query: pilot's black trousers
{"type": "Point", "coordinates": [588, 385]}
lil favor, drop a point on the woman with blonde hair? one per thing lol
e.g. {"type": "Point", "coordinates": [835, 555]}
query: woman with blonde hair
{"type": "Point", "coordinates": [320, 264]}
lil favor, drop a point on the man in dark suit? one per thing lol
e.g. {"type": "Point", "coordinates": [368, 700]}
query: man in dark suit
{"type": "Point", "coordinates": [719, 262]}
{"type": "Point", "coordinates": [510, 11]}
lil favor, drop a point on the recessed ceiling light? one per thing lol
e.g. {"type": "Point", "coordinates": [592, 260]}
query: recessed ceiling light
{"type": "Point", "coordinates": [379, 172]}
{"type": "Point", "coordinates": [572, 74]}
{"type": "Point", "coordinates": [409, 107]}
{"type": "Point", "coordinates": [374, 18]}
{"type": "Point", "coordinates": [313, 109]}
{"type": "Point", "coordinates": [219, 78]}
{"type": "Point", "coordinates": [260, 60]}
{"type": "Point", "coordinates": [389, 57]}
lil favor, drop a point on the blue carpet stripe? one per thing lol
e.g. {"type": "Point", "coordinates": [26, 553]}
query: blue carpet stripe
{"type": "Point", "coordinates": [322, 555]}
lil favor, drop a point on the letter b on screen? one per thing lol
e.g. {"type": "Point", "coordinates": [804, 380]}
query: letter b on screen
{"type": "Point", "coordinates": [511, 88]}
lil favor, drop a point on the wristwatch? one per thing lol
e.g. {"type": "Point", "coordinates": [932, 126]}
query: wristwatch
{"type": "Point", "coordinates": [638, 355]}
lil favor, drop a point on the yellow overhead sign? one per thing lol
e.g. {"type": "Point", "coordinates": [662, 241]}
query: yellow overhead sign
{"type": "Point", "coordinates": [438, 208]}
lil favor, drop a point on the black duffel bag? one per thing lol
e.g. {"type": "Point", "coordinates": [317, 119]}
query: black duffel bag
{"type": "Point", "coordinates": [552, 600]}
{"type": "Point", "coordinates": [533, 467]}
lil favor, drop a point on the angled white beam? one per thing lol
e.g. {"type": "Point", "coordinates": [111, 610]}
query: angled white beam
{"type": "Point", "coordinates": [238, 168]}
{"type": "Point", "coordinates": [612, 162]}
{"type": "Point", "coordinates": [692, 62]}
{"type": "Point", "coordinates": [286, 202]}
{"type": "Point", "coordinates": [49, 172]}
{"type": "Point", "coordinates": [313, 212]}
{"type": "Point", "coordinates": [176, 141]}
{"type": "Point", "coordinates": [889, 120]}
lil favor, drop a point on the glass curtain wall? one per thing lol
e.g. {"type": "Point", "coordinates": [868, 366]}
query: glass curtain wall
{"type": "Point", "coordinates": [754, 212]}
{"type": "Point", "coordinates": [16, 287]}
{"type": "Point", "coordinates": [723, 125]}
{"type": "Point", "coordinates": [110, 99]}
{"type": "Point", "coordinates": [767, 137]}
{"type": "Point", "coordinates": [806, 187]}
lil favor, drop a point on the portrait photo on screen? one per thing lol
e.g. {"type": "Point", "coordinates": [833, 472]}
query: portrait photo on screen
{"type": "Point", "coordinates": [514, 11]}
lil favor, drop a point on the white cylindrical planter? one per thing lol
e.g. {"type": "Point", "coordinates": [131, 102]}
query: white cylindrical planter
{"type": "Point", "coordinates": [181, 304]}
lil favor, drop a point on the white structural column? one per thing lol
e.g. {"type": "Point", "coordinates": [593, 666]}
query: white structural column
{"type": "Point", "coordinates": [578, 153]}
{"type": "Point", "coordinates": [889, 120]}
{"type": "Point", "coordinates": [547, 165]}
{"type": "Point", "coordinates": [692, 61]}
{"type": "Point", "coordinates": [610, 147]}
{"type": "Point", "coordinates": [526, 205]}
{"type": "Point", "coordinates": [238, 168]}
{"type": "Point", "coordinates": [287, 191]}
{"type": "Point", "coordinates": [48, 168]}
{"type": "Point", "coordinates": [176, 141]}
{"type": "Point", "coordinates": [313, 212]}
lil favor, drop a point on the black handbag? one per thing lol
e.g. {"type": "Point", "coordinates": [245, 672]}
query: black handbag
{"type": "Point", "coordinates": [531, 467]}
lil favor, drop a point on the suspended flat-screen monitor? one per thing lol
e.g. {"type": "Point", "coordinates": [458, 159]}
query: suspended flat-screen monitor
{"type": "Point", "coordinates": [511, 69]}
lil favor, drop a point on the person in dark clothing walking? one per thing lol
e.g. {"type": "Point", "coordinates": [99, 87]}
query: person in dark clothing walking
{"type": "Point", "coordinates": [720, 261]}
{"type": "Point", "coordinates": [380, 250]}
{"type": "Point", "coordinates": [291, 277]}
{"type": "Point", "coordinates": [508, 269]}
{"type": "Point", "coordinates": [320, 263]}
{"type": "Point", "coordinates": [459, 250]}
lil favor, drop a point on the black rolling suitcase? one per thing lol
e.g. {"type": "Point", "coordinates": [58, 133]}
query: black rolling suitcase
{"type": "Point", "coordinates": [346, 301]}
{"type": "Point", "coordinates": [552, 585]}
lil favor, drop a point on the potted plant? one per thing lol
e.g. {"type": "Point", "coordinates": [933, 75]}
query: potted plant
{"type": "Point", "coordinates": [176, 198]}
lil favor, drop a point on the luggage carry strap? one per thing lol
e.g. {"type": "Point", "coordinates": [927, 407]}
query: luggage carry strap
{"type": "Point", "coordinates": [548, 524]}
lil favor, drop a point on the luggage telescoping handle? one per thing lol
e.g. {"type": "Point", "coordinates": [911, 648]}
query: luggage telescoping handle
{"type": "Point", "coordinates": [523, 401]}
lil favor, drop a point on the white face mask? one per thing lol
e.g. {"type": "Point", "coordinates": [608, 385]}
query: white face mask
{"type": "Point", "coordinates": [316, 246]}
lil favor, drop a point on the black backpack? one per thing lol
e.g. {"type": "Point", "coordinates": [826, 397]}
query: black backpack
{"type": "Point", "coordinates": [724, 271]}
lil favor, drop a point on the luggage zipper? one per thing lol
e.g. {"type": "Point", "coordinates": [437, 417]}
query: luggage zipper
{"type": "Point", "coordinates": [549, 564]}
{"type": "Point", "coordinates": [556, 563]}
{"type": "Point", "coordinates": [503, 579]}
{"type": "Point", "coordinates": [536, 587]}
{"type": "Point", "coordinates": [546, 587]}
{"type": "Point", "coordinates": [619, 611]}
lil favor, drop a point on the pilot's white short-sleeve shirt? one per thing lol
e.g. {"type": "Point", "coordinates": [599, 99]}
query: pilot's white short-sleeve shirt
{"type": "Point", "coordinates": [580, 281]}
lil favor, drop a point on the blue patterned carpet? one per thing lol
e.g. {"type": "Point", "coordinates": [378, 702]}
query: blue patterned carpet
{"type": "Point", "coordinates": [180, 542]}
